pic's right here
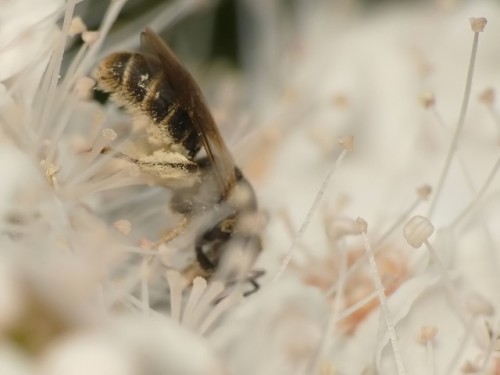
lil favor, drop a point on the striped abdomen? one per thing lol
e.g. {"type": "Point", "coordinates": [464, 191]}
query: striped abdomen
{"type": "Point", "coordinates": [140, 83]}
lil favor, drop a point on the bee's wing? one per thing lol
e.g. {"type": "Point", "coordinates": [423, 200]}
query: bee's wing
{"type": "Point", "coordinates": [190, 97]}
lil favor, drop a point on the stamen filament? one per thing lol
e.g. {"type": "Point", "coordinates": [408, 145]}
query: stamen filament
{"type": "Point", "coordinates": [478, 196]}
{"type": "Point", "coordinates": [48, 97]}
{"type": "Point", "coordinates": [199, 286]}
{"type": "Point", "coordinates": [382, 299]}
{"type": "Point", "coordinates": [305, 224]}
{"type": "Point", "coordinates": [460, 125]}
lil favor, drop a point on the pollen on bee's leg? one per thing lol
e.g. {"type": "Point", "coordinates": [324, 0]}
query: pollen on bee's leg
{"type": "Point", "coordinates": [170, 234]}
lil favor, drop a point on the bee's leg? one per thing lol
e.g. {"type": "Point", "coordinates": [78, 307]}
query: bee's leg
{"type": "Point", "coordinates": [172, 169]}
{"type": "Point", "coordinates": [119, 155]}
{"type": "Point", "coordinates": [209, 245]}
{"type": "Point", "coordinates": [170, 234]}
{"type": "Point", "coordinates": [202, 258]}
{"type": "Point", "coordinates": [252, 279]}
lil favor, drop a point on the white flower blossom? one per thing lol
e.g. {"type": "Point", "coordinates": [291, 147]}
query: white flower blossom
{"type": "Point", "coordinates": [338, 113]}
{"type": "Point", "coordinates": [27, 28]}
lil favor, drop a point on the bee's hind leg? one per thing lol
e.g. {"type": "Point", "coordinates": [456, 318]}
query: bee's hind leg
{"type": "Point", "coordinates": [170, 234]}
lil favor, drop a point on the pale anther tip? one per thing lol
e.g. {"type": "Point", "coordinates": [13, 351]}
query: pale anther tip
{"type": "Point", "coordinates": [417, 231]}
{"type": "Point", "coordinates": [77, 26]}
{"type": "Point", "coordinates": [470, 368]}
{"type": "Point", "coordinates": [427, 333]}
{"type": "Point", "coordinates": [347, 143]}
{"type": "Point", "coordinates": [477, 24]}
{"type": "Point", "coordinates": [487, 96]}
{"type": "Point", "coordinates": [199, 282]}
{"type": "Point", "coordinates": [424, 192]}
{"type": "Point", "coordinates": [340, 100]}
{"type": "Point", "coordinates": [90, 37]}
{"type": "Point", "coordinates": [478, 305]}
{"type": "Point", "coordinates": [123, 226]}
{"type": "Point", "coordinates": [83, 88]}
{"type": "Point", "coordinates": [362, 225]}
{"type": "Point", "coordinates": [427, 99]}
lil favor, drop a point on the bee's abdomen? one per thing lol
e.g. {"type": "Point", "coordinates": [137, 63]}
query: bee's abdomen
{"type": "Point", "coordinates": [109, 73]}
{"type": "Point", "coordinates": [127, 76]}
{"type": "Point", "coordinates": [138, 75]}
{"type": "Point", "coordinates": [183, 131]}
{"type": "Point", "coordinates": [162, 106]}
{"type": "Point", "coordinates": [140, 84]}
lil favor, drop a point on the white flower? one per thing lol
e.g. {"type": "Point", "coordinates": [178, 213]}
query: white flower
{"type": "Point", "coordinates": [132, 346]}
{"type": "Point", "coordinates": [277, 331]}
{"type": "Point", "coordinates": [85, 285]}
{"type": "Point", "coordinates": [27, 29]}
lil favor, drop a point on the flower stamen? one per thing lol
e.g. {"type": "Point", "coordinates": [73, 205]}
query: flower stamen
{"type": "Point", "coordinates": [347, 144]}
{"type": "Point", "coordinates": [363, 227]}
{"type": "Point", "coordinates": [476, 28]}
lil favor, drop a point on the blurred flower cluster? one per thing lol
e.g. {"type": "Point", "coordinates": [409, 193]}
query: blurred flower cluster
{"type": "Point", "coordinates": [371, 138]}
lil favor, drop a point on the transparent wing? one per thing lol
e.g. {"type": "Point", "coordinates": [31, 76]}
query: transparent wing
{"type": "Point", "coordinates": [190, 97]}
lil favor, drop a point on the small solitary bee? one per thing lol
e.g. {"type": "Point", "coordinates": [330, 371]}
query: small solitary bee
{"type": "Point", "coordinates": [187, 153]}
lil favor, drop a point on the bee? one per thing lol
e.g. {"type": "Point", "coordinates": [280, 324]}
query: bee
{"type": "Point", "coordinates": [187, 153]}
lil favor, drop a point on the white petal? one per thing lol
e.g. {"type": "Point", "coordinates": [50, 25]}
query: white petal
{"type": "Point", "coordinates": [26, 30]}
{"type": "Point", "coordinates": [87, 353]}
{"type": "Point", "coordinates": [168, 347]}
{"type": "Point", "coordinates": [17, 173]}
{"type": "Point", "coordinates": [13, 362]}
{"type": "Point", "coordinates": [275, 331]}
